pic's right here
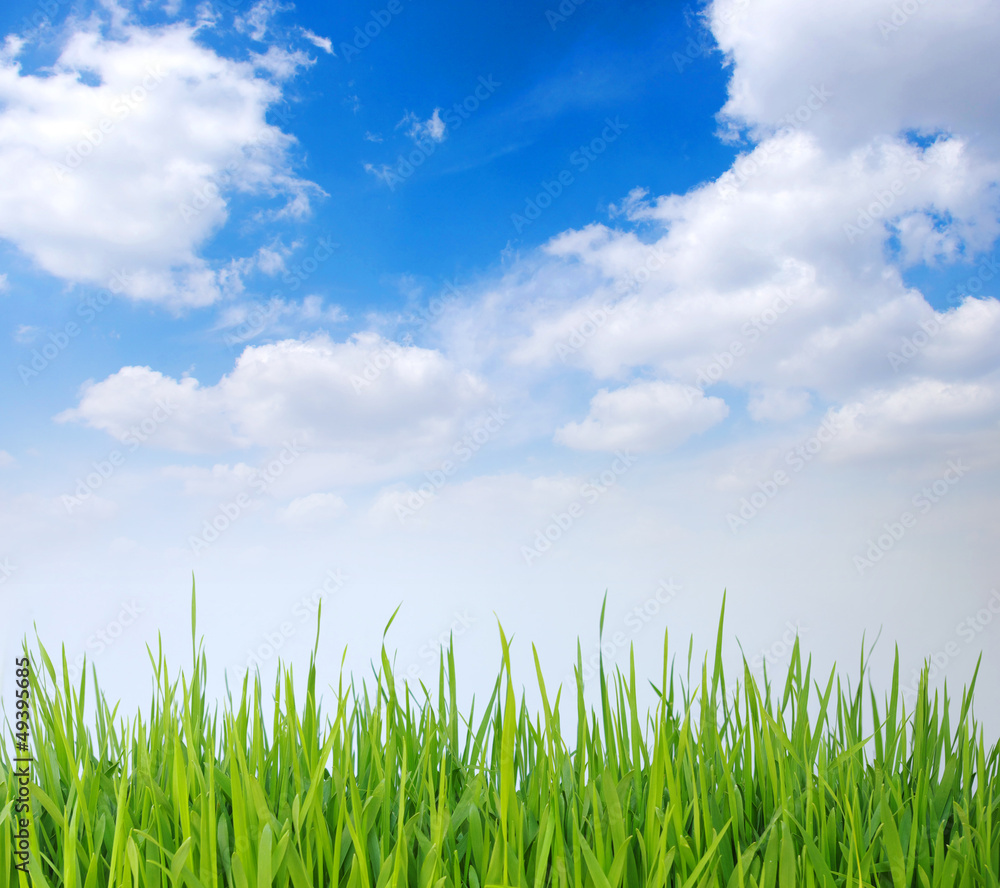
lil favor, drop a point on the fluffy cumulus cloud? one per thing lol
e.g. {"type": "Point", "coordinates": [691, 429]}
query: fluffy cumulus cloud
{"type": "Point", "coordinates": [887, 66]}
{"type": "Point", "coordinates": [922, 415]}
{"type": "Point", "coordinates": [128, 398]}
{"type": "Point", "coordinates": [782, 281]}
{"type": "Point", "coordinates": [774, 271]}
{"type": "Point", "coordinates": [366, 396]}
{"type": "Point", "coordinates": [116, 162]}
{"type": "Point", "coordinates": [643, 416]}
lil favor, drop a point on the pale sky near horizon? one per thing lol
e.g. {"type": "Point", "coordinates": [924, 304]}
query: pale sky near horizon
{"type": "Point", "coordinates": [490, 311]}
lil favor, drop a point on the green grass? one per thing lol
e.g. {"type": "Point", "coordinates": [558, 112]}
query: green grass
{"type": "Point", "coordinates": [746, 785]}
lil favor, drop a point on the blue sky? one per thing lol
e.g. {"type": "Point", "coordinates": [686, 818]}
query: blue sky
{"type": "Point", "coordinates": [496, 309]}
{"type": "Point", "coordinates": [454, 218]}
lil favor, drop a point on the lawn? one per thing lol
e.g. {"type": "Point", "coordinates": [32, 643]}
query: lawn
{"type": "Point", "coordinates": [739, 783]}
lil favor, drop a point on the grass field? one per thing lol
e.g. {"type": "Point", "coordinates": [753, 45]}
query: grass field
{"type": "Point", "coordinates": [722, 784]}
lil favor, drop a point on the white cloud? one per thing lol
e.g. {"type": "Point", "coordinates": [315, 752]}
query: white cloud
{"type": "Point", "coordinates": [433, 128]}
{"type": "Point", "coordinates": [282, 64]}
{"type": "Point", "coordinates": [779, 277]}
{"type": "Point", "coordinates": [242, 322]}
{"type": "Point", "coordinates": [4, 286]}
{"type": "Point", "coordinates": [384, 172]}
{"type": "Point", "coordinates": [886, 69]}
{"type": "Point", "coordinates": [921, 415]}
{"type": "Point", "coordinates": [271, 260]}
{"type": "Point", "coordinates": [313, 309]}
{"type": "Point", "coordinates": [778, 405]}
{"type": "Point", "coordinates": [6, 459]}
{"type": "Point", "coordinates": [312, 509]}
{"type": "Point", "coordinates": [643, 416]}
{"type": "Point", "coordinates": [323, 43]}
{"type": "Point", "coordinates": [257, 21]}
{"type": "Point", "coordinates": [26, 334]}
{"type": "Point", "coordinates": [167, 116]}
{"type": "Point", "coordinates": [782, 276]}
{"type": "Point", "coordinates": [367, 396]}
{"type": "Point", "coordinates": [122, 401]}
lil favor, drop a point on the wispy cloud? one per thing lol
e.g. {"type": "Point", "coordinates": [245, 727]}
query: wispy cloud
{"type": "Point", "coordinates": [433, 128]}
{"type": "Point", "coordinates": [323, 43]}
{"type": "Point", "coordinates": [257, 21]}
{"type": "Point", "coordinates": [26, 334]}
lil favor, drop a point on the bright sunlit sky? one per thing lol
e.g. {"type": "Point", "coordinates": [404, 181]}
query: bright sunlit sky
{"type": "Point", "coordinates": [490, 310]}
